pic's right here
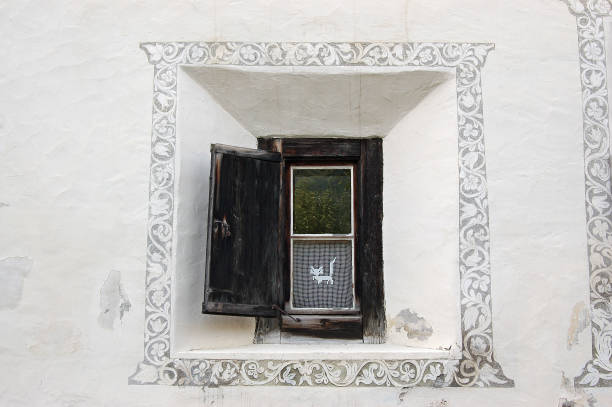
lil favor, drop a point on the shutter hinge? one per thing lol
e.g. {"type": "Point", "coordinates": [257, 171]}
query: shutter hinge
{"type": "Point", "coordinates": [225, 228]}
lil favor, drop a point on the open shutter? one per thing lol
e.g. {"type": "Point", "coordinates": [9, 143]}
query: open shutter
{"type": "Point", "coordinates": [243, 275]}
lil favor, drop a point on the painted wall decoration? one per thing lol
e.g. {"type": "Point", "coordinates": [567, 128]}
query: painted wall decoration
{"type": "Point", "coordinates": [477, 366]}
{"type": "Point", "coordinates": [590, 16]}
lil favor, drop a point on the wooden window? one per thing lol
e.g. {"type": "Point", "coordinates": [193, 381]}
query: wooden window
{"type": "Point", "coordinates": [321, 239]}
{"type": "Point", "coordinates": [281, 218]}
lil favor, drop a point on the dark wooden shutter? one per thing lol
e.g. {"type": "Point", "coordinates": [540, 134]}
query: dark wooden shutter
{"type": "Point", "coordinates": [243, 276]}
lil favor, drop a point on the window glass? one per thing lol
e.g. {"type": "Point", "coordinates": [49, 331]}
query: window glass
{"type": "Point", "coordinates": [322, 201]}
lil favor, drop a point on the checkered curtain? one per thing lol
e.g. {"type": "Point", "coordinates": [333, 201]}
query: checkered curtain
{"type": "Point", "coordinates": [313, 287]}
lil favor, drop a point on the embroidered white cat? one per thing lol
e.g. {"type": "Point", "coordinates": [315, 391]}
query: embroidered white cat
{"type": "Point", "coordinates": [316, 273]}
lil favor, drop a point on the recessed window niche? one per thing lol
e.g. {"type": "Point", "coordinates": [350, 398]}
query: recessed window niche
{"type": "Point", "coordinates": [413, 109]}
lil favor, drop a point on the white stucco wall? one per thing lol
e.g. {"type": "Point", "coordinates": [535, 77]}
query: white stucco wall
{"type": "Point", "coordinates": [75, 124]}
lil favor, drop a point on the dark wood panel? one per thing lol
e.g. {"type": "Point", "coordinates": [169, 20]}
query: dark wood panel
{"type": "Point", "coordinates": [242, 273]}
{"type": "Point", "coordinates": [276, 145]}
{"type": "Point", "coordinates": [267, 330]}
{"type": "Point", "coordinates": [370, 265]}
{"type": "Point", "coordinates": [269, 144]}
{"type": "Point", "coordinates": [245, 152]}
{"type": "Point", "coordinates": [225, 307]}
{"type": "Point", "coordinates": [321, 148]}
{"type": "Point", "coordinates": [324, 326]}
{"type": "Point", "coordinates": [264, 325]}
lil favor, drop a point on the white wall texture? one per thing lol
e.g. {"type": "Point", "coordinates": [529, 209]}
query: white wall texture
{"type": "Point", "coordinates": [75, 122]}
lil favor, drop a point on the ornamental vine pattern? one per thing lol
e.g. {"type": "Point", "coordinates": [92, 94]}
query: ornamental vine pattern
{"type": "Point", "coordinates": [590, 16]}
{"type": "Point", "coordinates": [477, 366]}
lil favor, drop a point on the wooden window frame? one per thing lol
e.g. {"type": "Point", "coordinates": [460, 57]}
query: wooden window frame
{"type": "Point", "coordinates": [366, 156]}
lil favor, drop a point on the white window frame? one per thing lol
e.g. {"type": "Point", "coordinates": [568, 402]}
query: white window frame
{"type": "Point", "coordinates": [321, 237]}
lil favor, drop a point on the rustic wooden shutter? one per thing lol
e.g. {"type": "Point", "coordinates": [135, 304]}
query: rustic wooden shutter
{"type": "Point", "coordinates": [243, 274]}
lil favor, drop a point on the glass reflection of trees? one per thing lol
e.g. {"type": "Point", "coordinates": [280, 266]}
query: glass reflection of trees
{"type": "Point", "coordinates": [322, 201]}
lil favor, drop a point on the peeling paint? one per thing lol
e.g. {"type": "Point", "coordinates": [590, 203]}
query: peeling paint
{"type": "Point", "coordinates": [440, 381]}
{"type": "Point", "coordinates": [13, 271]}
{"type": "Point", "coordinates": [402, 394]}
{"type": "Point", "coordinates": [114, 302]}
{"type": "Point", "coordinates": [578, 323]}
{"type": "Point", "coordinates": [574, 397]}
{"type": "Point", "coordinates": [413, 324]}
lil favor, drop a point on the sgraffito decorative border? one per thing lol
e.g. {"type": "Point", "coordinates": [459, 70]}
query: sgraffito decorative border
{"type": "Point", "coordinates": [477, 366]}
{"type": "Point", "coordinates": [590, 16]}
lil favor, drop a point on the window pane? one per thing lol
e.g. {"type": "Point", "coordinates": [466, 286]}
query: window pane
{"type": "Point", "coordinates": [322, 274]}
{"type": "Point", "coordinates": [322, 201]}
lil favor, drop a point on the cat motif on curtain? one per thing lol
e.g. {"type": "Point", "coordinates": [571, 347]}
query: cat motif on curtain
{"type": "Point", "coordinates": [317, 273]}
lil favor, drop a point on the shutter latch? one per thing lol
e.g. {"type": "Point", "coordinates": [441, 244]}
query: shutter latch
{"type": "Point", "coordinates": [225, 228]}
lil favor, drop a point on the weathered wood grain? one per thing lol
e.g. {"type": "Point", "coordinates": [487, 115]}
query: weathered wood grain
{"type": "Point", "coordinates": [324, 326]}
{"type": "Point", "coordinates": [321, 148]}
{"type": "Point", "coordinates": [267, 330]}
{"type": "Point", "coordinates": [242, 271]}
{"type": "Point", "coordinates": [370, 260]}
{"type": "Point", "coordinates": [367, 154]}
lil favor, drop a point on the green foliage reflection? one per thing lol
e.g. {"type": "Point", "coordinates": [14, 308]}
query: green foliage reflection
{"type": "Point", "coordinates": [322, 201]}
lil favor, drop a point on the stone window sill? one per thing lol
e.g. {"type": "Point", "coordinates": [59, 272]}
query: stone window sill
{"type": "Point", "coordinates": [336, 351]}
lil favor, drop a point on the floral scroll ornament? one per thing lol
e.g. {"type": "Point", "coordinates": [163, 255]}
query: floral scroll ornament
{"type": "Point", "coordinates": [590, 16]}
{"type": "Point", "coordinates": [477, 366]}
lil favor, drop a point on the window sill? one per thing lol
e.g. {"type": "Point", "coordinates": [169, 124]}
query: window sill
{"type": "Point", "coordinates": [320, 352]}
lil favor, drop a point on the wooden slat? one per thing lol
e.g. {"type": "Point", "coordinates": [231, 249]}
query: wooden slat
{"type": "Point", "coordinates": [370, 260]}
{"type": "Point", "coordinates": [226, 308]}
{"type": "Point", "coordinates": [270, 144]}
{"type": "Point", "coordinates": [267, 330]}
{"type": "Point", "coordinates": [327, 326]}
{"type": "Point", "coordinates": [321, 148]}
{"type": "Point", "coordinates": [245, 152]}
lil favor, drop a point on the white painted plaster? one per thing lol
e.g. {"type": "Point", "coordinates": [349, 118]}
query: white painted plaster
{"type": "Point", "coordinates": [420, 224]}
{"type": "Point", "coordinates": [317, 101]}
{"type": "Point", "coordinates": [74, 139]}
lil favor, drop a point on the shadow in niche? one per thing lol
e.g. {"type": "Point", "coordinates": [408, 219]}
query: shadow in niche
{"type": "Point", "coordinates": [317, 101]}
